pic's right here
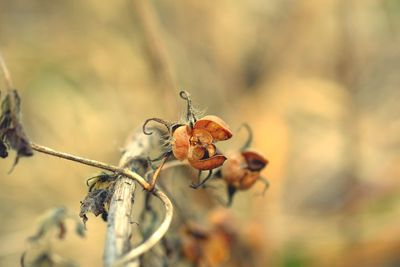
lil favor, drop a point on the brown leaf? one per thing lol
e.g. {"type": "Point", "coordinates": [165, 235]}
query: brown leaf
{"type": "Point", "coordinates": [55, 219]}
{"type": "Point", "coordinates": [12, 134]}
{"type": "Point", "coordinates": [95, 202]}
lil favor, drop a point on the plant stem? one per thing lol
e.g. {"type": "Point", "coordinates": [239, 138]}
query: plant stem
{"type": "Point", "coordinates": [156, 236]}
{"type": "Point", "coordinates": [94, 163]}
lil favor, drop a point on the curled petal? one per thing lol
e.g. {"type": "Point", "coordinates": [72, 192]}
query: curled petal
{"type": "Point", "coordinates": [215, 126]}
{"type": "Point", "coordinates": [254, 160]}
{"type": "Point", "coordinates": [208, 163]}
{"type": "Point", "coordinates": [180, 142]}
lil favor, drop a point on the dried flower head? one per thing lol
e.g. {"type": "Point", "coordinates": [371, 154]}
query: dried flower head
{"type": "Point", "coordinates": [194, 139]}
{"type": "Point", "coordinates": [243, 168]}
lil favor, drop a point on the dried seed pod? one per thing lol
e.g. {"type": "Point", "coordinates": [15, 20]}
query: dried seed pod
{"type": "Point", "coordinates": [215, 126]}
{"type": "Point", "coordinates": [233, 169]}
{"type": "Point", "coordinates": [180, 142]}
{"type": "Point", "coordinates": [194, 140]}
{"type": "Point", "coordinates": [242, 170]}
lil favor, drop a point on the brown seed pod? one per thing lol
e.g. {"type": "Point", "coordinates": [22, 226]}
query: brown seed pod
{"type": "Point", "coordinates": [242, 170]}
{"type": "Point", "coordinates": [218, 129]}
{"type": "Point", "coordinates": [180, 142]}
{"type": "Point", "coordinates": [233, 169]}
{"type": "Point", "coordinates": [193, 140]}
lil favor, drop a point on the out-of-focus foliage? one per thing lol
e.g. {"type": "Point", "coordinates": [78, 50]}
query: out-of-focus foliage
{"type": "Point", "coordinates": [316, 80]}
{"type": "Point", "coordinates": [52, 224]}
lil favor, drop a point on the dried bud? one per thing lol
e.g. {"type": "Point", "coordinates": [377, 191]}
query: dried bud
{"type": "Point", "coordinates": [196, 144]}
{"type": "Point", "coordinates": [242, 170]}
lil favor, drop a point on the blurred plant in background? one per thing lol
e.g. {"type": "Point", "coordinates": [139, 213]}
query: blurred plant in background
{"type": "Point", "coordinates": [316, 80]}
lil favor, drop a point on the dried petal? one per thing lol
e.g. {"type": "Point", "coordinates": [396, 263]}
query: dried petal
{"type": "Point", "coordinates": [254, 160]}
{"type": "Point", "coordinates": [215, 126]}
{"type": "Point", "coordinates": [208, 163]}
{"type": "Point", "coordinates": [180, 142]}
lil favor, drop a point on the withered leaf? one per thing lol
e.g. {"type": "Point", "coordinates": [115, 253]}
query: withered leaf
{"type": "Point", "coordinates": [55, 219]}
{"type": "Point", "coordinates": [47, 259]}
{"type": "Point", "coordinates": [3, 150]}
{"type": "Point", "coordinates": [12, 134]}
{"type": "Point", "coordinates": [95, 201]}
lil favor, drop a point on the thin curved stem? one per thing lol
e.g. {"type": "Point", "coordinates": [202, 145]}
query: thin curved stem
{"type": "Point", "coordinates": [125, 172]}
{"type": "Point", "coordinates": [161, 121]}
{"type": "Point", "coordinates": [156, 236]}
{"type": "Point", "coordinates": [249, 140]}
{"type": "Point", "coordinates": [189, 112]}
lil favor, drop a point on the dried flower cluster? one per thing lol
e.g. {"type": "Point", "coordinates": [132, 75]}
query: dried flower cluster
{"type": "Point", "coordinates": [194, 140]}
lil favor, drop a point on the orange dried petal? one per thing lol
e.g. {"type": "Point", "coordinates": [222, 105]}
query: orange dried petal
{"type": "Point", "coordinates": [215, 126]}
{"type": "Point", "coordinates": [180, 142]}
{"type": "Point", "coordinates": [255, 161]}
{"type": "Point", "coordinates": [208, 163]}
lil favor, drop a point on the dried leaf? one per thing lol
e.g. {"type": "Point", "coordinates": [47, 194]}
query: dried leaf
{"type": "Point", "coordinates": [3, 150]}
{"type": "Point", "coordinates": [47, 259]}
{"type": "Point", "coordinates": [95, 202]}
{"type": "Point", "coordinates": [80, 229]}
{"type": "Point", "coordinates": [12, 134]}
{"type": "Point", "coordinates": [55, 219]}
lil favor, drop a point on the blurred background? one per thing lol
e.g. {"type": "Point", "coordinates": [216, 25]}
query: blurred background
{"type": "Point", "coordinates": [318, 81]}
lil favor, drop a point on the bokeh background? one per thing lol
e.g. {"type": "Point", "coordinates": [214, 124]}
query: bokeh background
{"type": "Point", "coordinates": [318, 81]}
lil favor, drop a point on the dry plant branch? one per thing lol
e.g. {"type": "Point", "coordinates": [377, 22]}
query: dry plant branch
{"type": "Point", "coordinates": [119, 219]}
{"type": "Point", "coordinates": [119, 222]}
{"type": "Point", "coordinates": [156, 236]}
{"type": "Point", "coordinates": [132, 167]}
{"type": "Point", "coordinates": [123, 171]}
